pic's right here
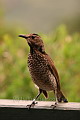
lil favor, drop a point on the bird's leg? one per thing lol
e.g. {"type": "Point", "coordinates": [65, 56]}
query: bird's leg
{"type": "Point", "coordinates": [56, 102]}
{"type": "Point", "coordinates": [33, 102]}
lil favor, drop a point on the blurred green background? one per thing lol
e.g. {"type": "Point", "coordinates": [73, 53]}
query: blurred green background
{"type": "Point", "coordinates": [62, 43]}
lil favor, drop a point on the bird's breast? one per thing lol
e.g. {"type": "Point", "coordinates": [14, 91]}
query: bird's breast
{"type": "Point", "coordinates": [40, 72]}
{"type": "Point", "coordinates": [37, 65]}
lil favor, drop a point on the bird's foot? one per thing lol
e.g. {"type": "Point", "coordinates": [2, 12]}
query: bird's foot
{"type": "Point", "coordinates": [54, 106]}
{"type": "Point", "coordinates": [32, 104]}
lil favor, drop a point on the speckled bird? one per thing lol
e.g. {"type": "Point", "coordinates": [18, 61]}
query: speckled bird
{"type": "Point", "coordinates": [42, 69]}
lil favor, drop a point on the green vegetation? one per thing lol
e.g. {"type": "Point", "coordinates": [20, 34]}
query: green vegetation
{"type": "Point", "coordinates": [15, 80]}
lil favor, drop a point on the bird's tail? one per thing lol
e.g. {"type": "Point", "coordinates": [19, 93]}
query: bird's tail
{"type": "Point", "coordinates": [61, 97]}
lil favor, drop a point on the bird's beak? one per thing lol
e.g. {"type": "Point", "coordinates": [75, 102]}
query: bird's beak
{"type": "Point", "coordinates": [23, 36]}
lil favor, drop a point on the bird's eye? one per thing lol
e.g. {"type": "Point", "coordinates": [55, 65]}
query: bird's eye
{"type": "Point", "coordinates": [33, 37]}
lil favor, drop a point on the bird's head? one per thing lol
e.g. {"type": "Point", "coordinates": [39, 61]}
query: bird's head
{"type": "Point", "coordinates": [34, 41]}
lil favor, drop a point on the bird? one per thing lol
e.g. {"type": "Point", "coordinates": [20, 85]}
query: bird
{"type": "Point", "coordinates": [42, 69]}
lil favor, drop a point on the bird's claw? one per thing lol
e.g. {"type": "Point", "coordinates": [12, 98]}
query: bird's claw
{"type": "Point", "coordinates": [31, 105]}
{"type": "Point", "coordinates": [54, 106]}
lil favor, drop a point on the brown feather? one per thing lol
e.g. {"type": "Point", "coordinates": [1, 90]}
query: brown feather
{"type": "Point", "coordinates": [53, 70]}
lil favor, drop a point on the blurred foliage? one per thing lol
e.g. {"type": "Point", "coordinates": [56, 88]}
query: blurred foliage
{"type": "Point", "coordinates": [15, 80]}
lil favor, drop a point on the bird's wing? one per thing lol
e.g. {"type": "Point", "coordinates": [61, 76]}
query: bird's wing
{"type": "Point", "coordinates": [53, 70]}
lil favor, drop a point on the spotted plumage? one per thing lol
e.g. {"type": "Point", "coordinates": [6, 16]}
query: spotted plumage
{"type": "Point", "coordinates": [39, 71]}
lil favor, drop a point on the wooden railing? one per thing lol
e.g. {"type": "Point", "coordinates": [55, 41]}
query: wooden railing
{"type": "Point", "coordinates": [17, 110]}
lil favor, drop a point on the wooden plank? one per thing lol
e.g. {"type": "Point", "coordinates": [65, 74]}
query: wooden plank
{"type": "Point", "coordinates": [40, 105]}
{"type": "Point", "coordinates": [16, 109]}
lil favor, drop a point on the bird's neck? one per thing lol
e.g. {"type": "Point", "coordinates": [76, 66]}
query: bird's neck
{"type": "Point", "coordinates": [33, 50]}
